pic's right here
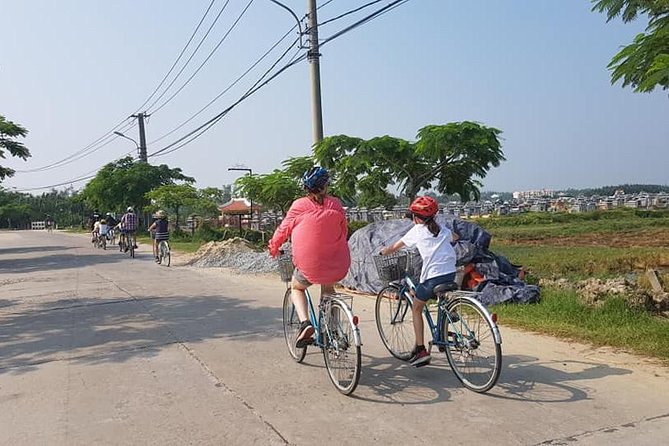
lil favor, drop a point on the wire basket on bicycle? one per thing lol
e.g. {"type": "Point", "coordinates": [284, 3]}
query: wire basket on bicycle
{"type": "Point", "coordinates": [392, 266]}
{"type": "Point", "coordinates": [286, 267]}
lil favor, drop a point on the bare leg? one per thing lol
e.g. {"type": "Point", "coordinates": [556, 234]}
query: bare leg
{"type": "Point", "coordinates": [417, 310]}
{"type": "Point", "coordinates": [328, 289]}
{"type": "Point", "coordinates": [299, 299]}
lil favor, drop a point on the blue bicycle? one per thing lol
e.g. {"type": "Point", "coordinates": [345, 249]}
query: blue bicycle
{"type": "Point", "coordinates": [336, 332]}
{"type": "Point", "coordinates": [464, 328]}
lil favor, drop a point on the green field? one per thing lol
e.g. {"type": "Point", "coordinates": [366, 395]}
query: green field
{"type": "Point", "coordinates": [582, 246]}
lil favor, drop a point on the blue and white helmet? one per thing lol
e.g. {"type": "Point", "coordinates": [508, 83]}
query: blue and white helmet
{"type": "Point", "coordinates": [315, 179]}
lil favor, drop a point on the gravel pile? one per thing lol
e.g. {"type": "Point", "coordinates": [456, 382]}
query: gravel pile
{"type": "Point", "coordinates": [235, 253]}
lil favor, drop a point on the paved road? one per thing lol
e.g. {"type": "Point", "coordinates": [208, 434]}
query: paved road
{"type": "Point", "coordinates": [96, 348]}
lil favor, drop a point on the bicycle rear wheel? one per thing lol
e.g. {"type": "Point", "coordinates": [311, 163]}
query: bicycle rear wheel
{"type": "Point", "coordinates": [164, 253]}
{"type": "Point", "coordinates": [131, 245]}
{"type": "Point", "coordinates": [342, 353]}
{"type": "Point", "coordinates": [291, 326]}
{"type": "Point", "coordinates": [473, 351]}
{"type": "Point", "coordinates": [394, 321]}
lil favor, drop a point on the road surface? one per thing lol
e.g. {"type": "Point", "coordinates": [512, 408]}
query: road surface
{"type": "Point", "coordinates": [97, 348]}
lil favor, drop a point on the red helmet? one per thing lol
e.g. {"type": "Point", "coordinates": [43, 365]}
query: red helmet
{"type": "Point", "coordinates": [424, 206]}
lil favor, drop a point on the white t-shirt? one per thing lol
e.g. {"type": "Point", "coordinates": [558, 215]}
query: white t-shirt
{"type": "Point", "coordinates": [103, 229]}
{"type": "Point", "coordinates": [437, 253]}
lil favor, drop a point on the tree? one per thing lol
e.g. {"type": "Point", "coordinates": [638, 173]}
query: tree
{"type": "Point", "coordinates": [451, 158]}
{"type": "Point", "coordinates": [276, 190]}
{"type": "Point", "coordinates": [9, 131]}
{"type": "Point", "coordinates": [173, 197]}
{"type": "Point", "coordinates": [126, 182]}
{"type": "Point", "coordinates": [644, 63]}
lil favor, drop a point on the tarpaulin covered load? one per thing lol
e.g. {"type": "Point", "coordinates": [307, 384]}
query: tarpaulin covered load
{"type": "Point", "coordinates": [501, 282]}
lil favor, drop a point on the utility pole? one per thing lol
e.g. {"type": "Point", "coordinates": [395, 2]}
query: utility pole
{"type": "Point", "coordinates": [142, 136]}
{"type": "Point", "coordinates": [313, 56]}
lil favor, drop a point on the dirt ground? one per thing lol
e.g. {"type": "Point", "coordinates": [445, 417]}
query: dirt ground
{"type": "Point", "coordinates": [657, 239]}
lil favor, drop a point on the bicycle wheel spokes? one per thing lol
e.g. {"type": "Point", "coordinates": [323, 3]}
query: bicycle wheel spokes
{"type": "Point", "coordinates": [394, 321]}
{"type": "Point", "coordinates": [291, 326]}
{"type": "Point", "coordinates": [342, 355]}
{"type": "Point", "coordinates": [473, 353]}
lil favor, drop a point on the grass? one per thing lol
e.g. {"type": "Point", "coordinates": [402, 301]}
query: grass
{"type": "Point", "coordinates": [175, 245]}
{"type": "Point", "coordinates": [561, 313]}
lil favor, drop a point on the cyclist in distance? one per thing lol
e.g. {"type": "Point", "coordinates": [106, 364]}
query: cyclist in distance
{"type": "Point", "coordinates": [111, 221]}
{"type": "Point", "coordinates": [160, 231]}
{"type": "Point", "coordinates": [433, 241]}
{"type": "Point", "coordinates": [317, 225]}
{"type": "Point", "coordinates": [128, 225]}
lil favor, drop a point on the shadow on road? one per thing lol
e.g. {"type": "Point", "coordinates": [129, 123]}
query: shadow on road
{"type": "Point", "coordinates": [55, 262]}
{"type": "Point", "coordinates": [115, 330]}
{"type": "Point", "coordinates": [29, 249]}
{"type": "Point", "coordinates": [526, 378]}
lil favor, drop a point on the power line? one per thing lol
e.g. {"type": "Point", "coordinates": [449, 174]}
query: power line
{"type": "Point", "coordinates": [196, 133]}
{"type": "Point", "coordinates": [220, 42]}
{"type": "Point", "coordinates": [379, 12]}
{"type": "Point", "coordinates": [218, 16]}
{"type": "Point", "coordinates": [352, 11]}
{"type": "Point", "coordinates": [174, 146]}
{"type": "Point", "coordinates": [229, 87]}
{"type": "Point", "coordinates": [83, 177]}
{"type": "Point", "coordinates": [183, 50]}
{"type": "Point", "coordinates": [100, 142]}
{"type": "Point", "coordinates": [104, 139]}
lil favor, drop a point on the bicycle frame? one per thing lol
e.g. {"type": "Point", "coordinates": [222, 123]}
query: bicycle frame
{"type": "Point", "coordinates": [316, 319]}
{"type": "Point", "coordinates": [442, 316]}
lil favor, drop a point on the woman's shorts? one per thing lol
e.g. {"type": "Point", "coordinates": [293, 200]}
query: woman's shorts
{"type": "Point", "coordinates": [297, 275]}
{"type": "Point", "coordinates": [425, 290]}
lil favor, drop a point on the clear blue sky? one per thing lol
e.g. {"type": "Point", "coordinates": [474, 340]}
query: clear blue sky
{"type": "Point", "coordinates": [72, 69]}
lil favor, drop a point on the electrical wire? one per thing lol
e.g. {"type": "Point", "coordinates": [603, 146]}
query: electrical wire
{"type": "Point", "coordinates": [83, 177]}
{"type": "Point", "coordinates": [225, 36]}
{"type": "Point", "coordinates": [104, 139]}
{"type": "Point", "coordinates": [196, 133]}
{"type": "Point", "coordinates": [352, 11]}
{"type": "Point", "coordinates": [379, 12]}
{"type": "Point", "coordinates": [218, 16]}
{"type": "Point", "coordinates": [100, 142]}
{"type": "Point", "coordinates": [183, 50]}
{"type": "Point", "coordinates": [229, 87]}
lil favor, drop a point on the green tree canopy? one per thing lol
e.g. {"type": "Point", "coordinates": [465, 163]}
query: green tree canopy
{"type": "Point", "coordinates": [644, 63]}
{"type": "Point", "coordinates": [173, 197]}
{"type": "Point", "coordinates": [450, 158]}
{"type": "Point", "coordinates": [126, 182]}
{"type": "Point", "coordinates": [9, 131]}
{"type": "Point", "coordinates": [276, 190]}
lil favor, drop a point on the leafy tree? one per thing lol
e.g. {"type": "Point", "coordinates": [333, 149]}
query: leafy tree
{"type": "Point", "coordinates": [9, 131]}
{"type": "Point", "coordinates": [276, 190]}
{"type": "Point", "coordinates": [126, 182]}
{"type": "Point", "coordinates": [173, 197]}
{"type": "Point", "coordinates": [644, 63]}
{"type": "Point", "coordinates": [447, 157]}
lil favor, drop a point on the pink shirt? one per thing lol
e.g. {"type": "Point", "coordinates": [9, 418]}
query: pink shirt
{"type": "Point", "coordinates": [319, 246]}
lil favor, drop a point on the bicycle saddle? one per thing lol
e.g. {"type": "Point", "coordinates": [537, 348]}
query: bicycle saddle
{"type": "Point", "coordinates": [445, 287]}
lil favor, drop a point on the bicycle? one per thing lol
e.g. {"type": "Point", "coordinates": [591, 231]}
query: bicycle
{"type": "Point", "coordinates": [102, 241]}
{"type": "Point", "coordinates": [127, 240]}
{"type": "Point", "coordinates": [111, 236]}
{"type": "Point", "coordinates": [336, 332]}
{"type": "Point", "coordinates": [464, 328]}
{"type": "Point", "coordinates": [164, 255]}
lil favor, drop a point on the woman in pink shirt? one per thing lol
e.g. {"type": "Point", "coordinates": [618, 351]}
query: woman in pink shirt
{"type": "Point", "coordinates": [317, 227]}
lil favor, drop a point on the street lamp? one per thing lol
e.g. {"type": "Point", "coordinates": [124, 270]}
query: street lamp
{"type": "Point", "coordinates": [127, 137]}
{"type": "Point", "coordinates": [250, 171]}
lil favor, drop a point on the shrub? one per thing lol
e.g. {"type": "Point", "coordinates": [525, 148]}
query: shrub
{"type": "Point", "coordinates": [354, 226]}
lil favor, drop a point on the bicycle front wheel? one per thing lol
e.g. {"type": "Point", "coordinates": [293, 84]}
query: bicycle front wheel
{"type": "Point", "coordinates": [291, 327]}
{"type": "Point", "coordinates": [473, 351]}
{"type": "Point", "coordinates": [341, 351]}
{"type": "Point", "coordinates": [394, 321]}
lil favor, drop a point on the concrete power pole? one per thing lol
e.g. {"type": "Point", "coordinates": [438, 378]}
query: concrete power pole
{"type": "Point", "coordinates": [313, 56]}
{"type": "Point", "coordinates": [142, 137]}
